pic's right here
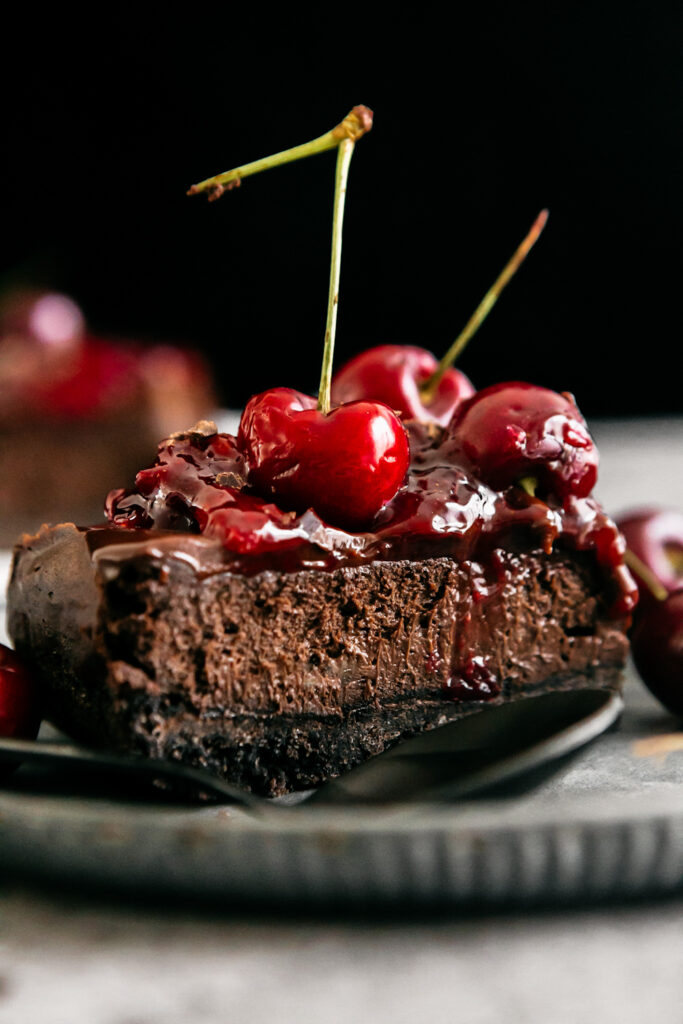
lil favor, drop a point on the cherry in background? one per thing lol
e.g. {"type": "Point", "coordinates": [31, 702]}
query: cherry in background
{"type": "Point", "coordinates": [19, 698]}
{"type": "Point", "coordinates": [654, 538]}
{"type": "Point", "coordinates": [657, 647]}
{"type": "Point", "coordinates": [51, 366]}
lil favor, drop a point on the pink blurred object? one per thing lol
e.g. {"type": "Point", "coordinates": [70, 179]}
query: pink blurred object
{"type": "Point", "coordinates": [78, 412]}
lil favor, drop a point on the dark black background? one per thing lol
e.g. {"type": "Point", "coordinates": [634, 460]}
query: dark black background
{"type": "Point", "coordinates": [479, 122]}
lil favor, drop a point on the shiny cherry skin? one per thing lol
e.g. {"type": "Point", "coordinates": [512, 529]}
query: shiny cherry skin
{"type": "Point", "coordinates": [393, 374]}
{"type": "Point", "coordinates": [19, 700]}
{"type": "Point", "coordinates": [657, 647]}
{"type": "Point", "coordinates": [655, 536]}
{"type": "Point", "coordinates": [515, 430]}
{"type": "Point", "coordinates": [345, 465]}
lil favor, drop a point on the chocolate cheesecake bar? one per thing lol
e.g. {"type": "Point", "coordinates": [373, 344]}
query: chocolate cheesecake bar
{"type": "Point", "coordinates": [298, 651]}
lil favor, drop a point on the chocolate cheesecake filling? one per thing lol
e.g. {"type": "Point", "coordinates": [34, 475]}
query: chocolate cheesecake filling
{"type": "Point", "coordinates": [148, 642]}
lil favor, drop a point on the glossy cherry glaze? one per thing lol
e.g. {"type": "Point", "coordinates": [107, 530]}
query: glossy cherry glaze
{"type": "Point", "coordinates": [655, 536]}
{"type": "Point", "coordinates": [345, 464]}
{"type": "Point", "coordinates": [657, 647]}
{"type": "Point", "coordinates": [201, 483]}
{"type": "Point", "coordinates": [393, 374]}
{"type": "Point", "coordinates": [513, 431]}
{"type": "Point", "coordinates": [19, 698]}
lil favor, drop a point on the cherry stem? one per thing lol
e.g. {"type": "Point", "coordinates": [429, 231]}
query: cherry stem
{"type": "Point", "coordinates": [637, 566]}
{"type": "Point", "coordinates": [356, 123]}
{"type": "Point", "coordinates": [344, 155]}
{"type": "Point", "coordinates": [431, 385]}
{"type": "Point", "coordinates": [528, 484]}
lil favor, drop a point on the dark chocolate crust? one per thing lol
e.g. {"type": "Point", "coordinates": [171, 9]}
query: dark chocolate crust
{"type": "Point", "coordinates": [279, 681]}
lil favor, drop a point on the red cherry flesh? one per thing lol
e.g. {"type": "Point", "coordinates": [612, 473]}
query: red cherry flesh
{"type": "Point", "coordinates": [393, 374]}
{"type": "Point", "coordinates": [19, 702]}
{"type": "Point", "coordinates": [515, 430]}
{"type": "Point", "coordinates": [657, 647]}
{"type": "Point", "coordinates": [655, 536]}
{"type": "Point", "coordinates": [344, 465]}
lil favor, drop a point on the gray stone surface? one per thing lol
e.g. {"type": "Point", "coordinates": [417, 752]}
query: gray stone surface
{"type": "Point", "coordinates": [66, 962]}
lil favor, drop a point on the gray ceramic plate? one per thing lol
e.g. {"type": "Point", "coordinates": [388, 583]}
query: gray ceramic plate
{"type": "Point", "coordinates": [608, 824]}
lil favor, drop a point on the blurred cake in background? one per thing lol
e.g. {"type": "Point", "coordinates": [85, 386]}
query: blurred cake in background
{"type": "Point", "coordinates": [77, 411]}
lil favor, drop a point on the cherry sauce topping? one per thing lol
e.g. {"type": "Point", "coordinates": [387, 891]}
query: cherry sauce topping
{"type": "Point", "coordinates": [200, 483]}
{"type": "Point", "coordinates": [657, 647]}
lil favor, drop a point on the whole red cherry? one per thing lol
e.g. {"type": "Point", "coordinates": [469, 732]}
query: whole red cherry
{"type": "Point", "coordinates": [657, 647]}
{"type": "Point", "coordinates": [515, 430]}
{"type": "Point", "coordinates": [19, 701]}
{"type": "Point", "coordinates": [345, 464]}
{"type": "Point", "coordinates": [393, 374]}
{"type": "Point", "coordinates": [655, 537]}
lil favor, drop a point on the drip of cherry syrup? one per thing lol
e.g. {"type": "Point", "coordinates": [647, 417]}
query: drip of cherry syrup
{"type": "Point", "coordinates": [473, 682]}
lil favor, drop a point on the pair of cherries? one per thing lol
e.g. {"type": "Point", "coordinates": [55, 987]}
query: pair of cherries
{"type": "Point", "coordinates": [348, 463]}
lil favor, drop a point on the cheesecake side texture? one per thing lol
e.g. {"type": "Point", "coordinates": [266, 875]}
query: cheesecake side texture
{"type": "Point", "coordinates": [279, 681]}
